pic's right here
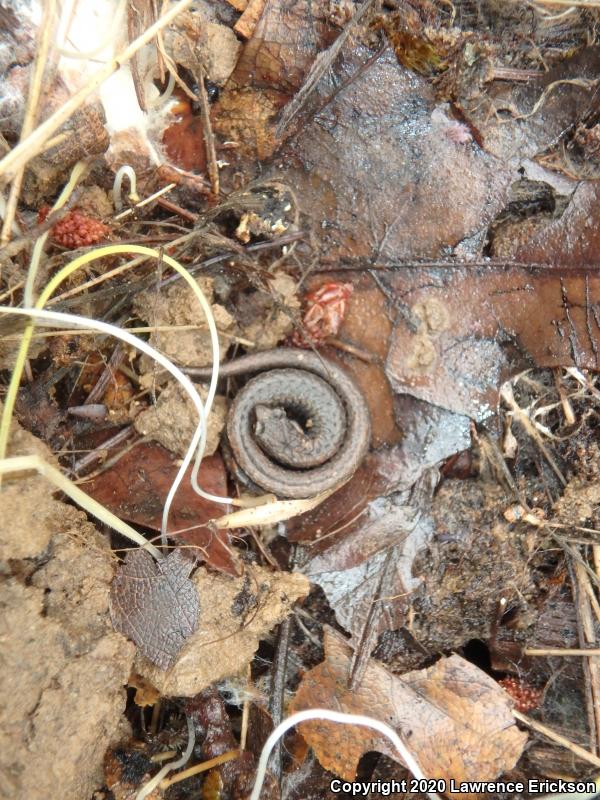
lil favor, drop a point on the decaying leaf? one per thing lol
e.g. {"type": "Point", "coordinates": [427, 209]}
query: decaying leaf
{"type": "Point", "coordinates": [465, 330]}
{"type": "Point", "coordinates": [236, 614]}
{"type": "Point", "coordinates": [349, 571]}
{"type": "Point", "coordinates": [155, 604]}
{"type": "Point", "coordinates": [455, 719]}
{"type": "Point", "coordinates": [135, 489]}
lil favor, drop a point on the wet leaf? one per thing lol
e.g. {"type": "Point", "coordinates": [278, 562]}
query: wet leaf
{"type": "Point", "coordinates": [573, 239]}
{"type": "Point", "coordinates": [155, 604]}
{"type": "Point", "coordinates": [349, 571]}
{"type": "Point", "coordinates": [454, 718]}
{"type": "Point", "coordinates": [464, 331]}
{"type": "Point", "coordinates": [136, 487]}
{"type": "Point", "coordinates": [432, 434]}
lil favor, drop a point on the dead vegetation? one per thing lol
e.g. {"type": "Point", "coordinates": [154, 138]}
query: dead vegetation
{"type": "Point", "coordinates": [408, 188]}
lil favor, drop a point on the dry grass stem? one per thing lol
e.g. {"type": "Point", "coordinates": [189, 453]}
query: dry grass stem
{"type": "Point", "coordinates": [31, 146]}
{"type": "Point", "coordinates": [230, 755]}
{"type": "Point", "coordinates": [576, 749]}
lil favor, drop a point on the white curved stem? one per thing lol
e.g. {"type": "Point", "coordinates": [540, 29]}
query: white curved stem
{"type": "Point", "coordinates": [342, 719]}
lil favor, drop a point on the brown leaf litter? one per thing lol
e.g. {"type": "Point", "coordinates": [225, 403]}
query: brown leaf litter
{"type": "Point", "coordinates": [135, 489]}
{"type": "Point", "coordinates": [457, 720]}
{"type": "Point", "coordinates": [173, 420]}
{"type": "Point", "coordinates": [177, 306]}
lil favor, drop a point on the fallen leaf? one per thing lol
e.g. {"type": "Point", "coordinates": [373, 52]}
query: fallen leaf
{"type": "Point", "coordinates": [155, 604]}
{"type": "Point", "coordinates": [136, 487]}
{"type": "Point", "coordinates": [454, 718]}
{"type": "Point", "coordinates": [236, 614]}
{"type": "Point", "coordinates": [349, 571]}
{"type": "Point", "coordinates": [432, 434]}
{"type": "Point", "coordinates": [466, 330]}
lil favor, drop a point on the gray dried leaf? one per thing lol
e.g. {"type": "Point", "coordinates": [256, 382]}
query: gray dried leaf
{"type": "Point", "coordinates": [155, 604]}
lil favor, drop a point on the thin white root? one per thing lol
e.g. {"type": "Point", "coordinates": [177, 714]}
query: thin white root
{"type": "Point", "coordinates": [125, 172]}
{"type": "Point", "coordinates": [342, 719]}
{"type": "Point", "coordinates": [149, 787]}
{"type": "Point", "coordinates": [56, 319]}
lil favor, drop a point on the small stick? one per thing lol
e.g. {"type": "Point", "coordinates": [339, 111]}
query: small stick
{"type": "Point", "coordinates": [510, 74]}
{"type": "Point", "coordinates": [209, 138]}
{"type": "Point", "coordinates": [556, 737]}
{"type": "Point", "coordinates": [32, 145]}
{"type": "Point", "coordinates": [175, 209]}
{"type": "Point", "coordinates": [561, 651]}
{"type": "Point", "coordinates": [567, 407]}
{"type": "Point", "coordinates": [587, 635]}
{"type": "Point", "coordinates": [198, 768]}
{"type": "Point", "coordinates": [278, 690]}
{"type": "Point", "coordinates": [368, 635]}
{"type": "Point", "coordinates": [245, 713]}
{"type": "Point", "coordinates": [45, 36]}
{"type": "Point", "coordinates": [320, 66]}
{"type": "Point", "coordinates": [145, 201]}
{"type": "Point", "coordinates": [101, 452]}
{"type": "Point", "coordinates": [357, 352]}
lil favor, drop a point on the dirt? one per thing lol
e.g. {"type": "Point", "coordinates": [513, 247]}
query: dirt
{"type": "Point", "coordinates": [178, 306]}
{"type": "Point", "coordinates": [435, 164]}
{"type": "Point", "coordinates": [173, 420]}
{"type": "Point", "coordinates": [56, 573]}
{"type": "Point", "coordinates": [236, 615]}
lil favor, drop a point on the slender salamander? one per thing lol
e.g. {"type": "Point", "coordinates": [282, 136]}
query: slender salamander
{"type": "Point", "coordinates": [300, 427]}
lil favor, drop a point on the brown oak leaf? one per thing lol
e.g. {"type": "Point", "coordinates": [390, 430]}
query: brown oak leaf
{"type": "Point", "coordinates": [155, 604]}
{"type": "Point", "coordinates": [454, 718]}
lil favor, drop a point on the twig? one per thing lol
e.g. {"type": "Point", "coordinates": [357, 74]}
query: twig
{"type": "Point", "coordinates": [209, 138]}
{"type": "Point", "coordinates": [175, 209]}
{"type": "Point", "coordinates": [368, 634]}
{"type": "Point", "coordinates": [357, 352]}
{"type": "Point", "coordinates": [45, 37]}
{"type": "Point", "coordinates": [102, 451]}
{"type": "Point", "coordinates": [556, 737]}
{"type": "Point", "coordinates": [278, 678]}
{"type": "Point", "coordinates": [32, 145]}
{"type": "Point", "coordinates": [245, 713]}
{"type": "Point", "coordinates": [351, 79]}
{"type": "Point", "coordinates": [587, 635]}
{"type": "Point", "coordinates": [561, 651]}
{"type": "Point", "coordinates": [230, 755]}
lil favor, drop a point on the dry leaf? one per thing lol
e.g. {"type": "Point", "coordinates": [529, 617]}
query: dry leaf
{"type": "Point", "coordinates": [155, 604]}
{"type": "Point", "coordinates": [135, 489]}
{"type": "Point", "coordinates": [236, 614]}
{"type": "Point", "coordinates": [455, 719]}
